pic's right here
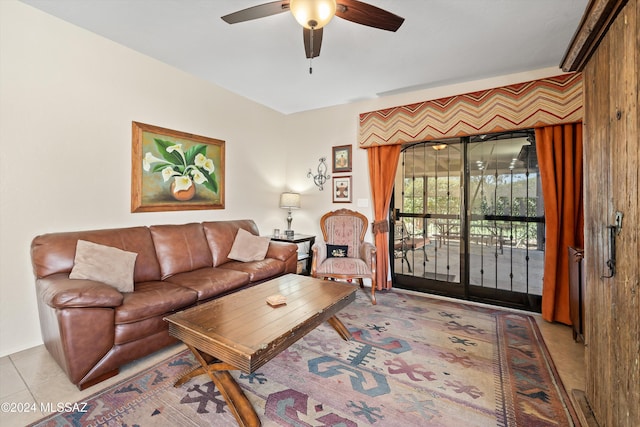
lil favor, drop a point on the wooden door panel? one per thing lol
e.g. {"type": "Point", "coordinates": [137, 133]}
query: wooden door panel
{"type": "Point", "coordinates": [612, 306]}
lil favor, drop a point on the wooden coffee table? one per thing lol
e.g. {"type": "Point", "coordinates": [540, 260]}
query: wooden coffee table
{"type": "Point", "coordinates": [242, 332]}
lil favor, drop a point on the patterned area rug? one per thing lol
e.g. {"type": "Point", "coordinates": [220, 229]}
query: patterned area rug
{"type": "Point", "coordinates": [413, 361]}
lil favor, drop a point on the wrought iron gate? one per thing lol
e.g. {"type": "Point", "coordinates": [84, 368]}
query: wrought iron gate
{"type": "Point", "coordinates": [469, 222]}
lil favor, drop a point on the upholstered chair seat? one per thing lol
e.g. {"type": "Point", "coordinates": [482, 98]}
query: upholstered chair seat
{"type": "Point", "coordinates": [344, 255]}
{"type": "Point", "coordinates": [351, 266]}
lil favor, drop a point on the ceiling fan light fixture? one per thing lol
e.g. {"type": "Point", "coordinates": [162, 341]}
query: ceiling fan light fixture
{"type": "Point", "coordinates": [313, 14]}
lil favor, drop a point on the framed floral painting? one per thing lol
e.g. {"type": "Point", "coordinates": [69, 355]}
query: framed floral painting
{"type": "Point", "coordinates": [341, 158]}
{"type": "Point", "coordinates": [174, 171]}
{"type": "Point", "coordinates": [342, 189]}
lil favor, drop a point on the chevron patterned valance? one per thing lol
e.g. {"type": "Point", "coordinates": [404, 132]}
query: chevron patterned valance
{"type": "Point", "coordinates": [549, 101]}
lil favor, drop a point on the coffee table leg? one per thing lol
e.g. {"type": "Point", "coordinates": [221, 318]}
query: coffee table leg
{"type": "Point", "coordinates": [339, 327]}
{"type": "Point", "coordinates": [218, 371]}
{"type": "Point", "coordinates": [186, 377]}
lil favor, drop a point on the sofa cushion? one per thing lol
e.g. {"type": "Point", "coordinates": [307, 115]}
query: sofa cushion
{"type": "Point", "coordinates": [55, 252]}
{"type": "Point", "coordinates": [153, 299]}
{"type": "Point", "coordinates": [104, 264]}
{"type": "Point", "coordinates": [337, 251]}
{"type": "Point", "coordinates": [210, 282]}
{"type": "Point", "coordinates": [282, 250]}
{"type": "Point", "coordinates": [248, 247]}
{"type": "Point", "coordinates": [257, 270]}
{"type": "Point", "coordinates": [222, 234]}
{"type": "Point", "coordinates": [180, 248]}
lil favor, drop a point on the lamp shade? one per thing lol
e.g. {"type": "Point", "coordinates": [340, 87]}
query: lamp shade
{"type": "Point", "coordinates": [313, 13]}
{"type": "Point", "coordinates": [290, 200]}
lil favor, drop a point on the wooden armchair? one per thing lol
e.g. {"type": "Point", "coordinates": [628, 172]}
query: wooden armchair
{"type": "Point", "coordinates": [344, 254]}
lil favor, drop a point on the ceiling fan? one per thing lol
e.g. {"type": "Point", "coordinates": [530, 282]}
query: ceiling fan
{"type": "Point", "coordinates": [313, 15]}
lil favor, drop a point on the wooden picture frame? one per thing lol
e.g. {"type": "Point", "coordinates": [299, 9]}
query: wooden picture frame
{"type": "Point", "coordinates": [341, 158]}
{"type": "Point", "coordinates": [175, 171]}
{"type": "Point", "coordinates": [342, 189]}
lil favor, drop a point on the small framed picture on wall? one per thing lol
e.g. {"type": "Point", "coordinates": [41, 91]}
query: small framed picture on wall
{"type": "Point", "coordinates": [342, 189]}
{"type": "Point", "coordinates": [341, 158]}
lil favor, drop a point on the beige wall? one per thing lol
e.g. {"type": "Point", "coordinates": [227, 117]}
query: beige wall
{"type": "Point", "coordinates": [67, 99]}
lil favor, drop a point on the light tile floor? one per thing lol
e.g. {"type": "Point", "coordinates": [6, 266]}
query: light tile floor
{"type": "Point", "coordinates": [30, 380]}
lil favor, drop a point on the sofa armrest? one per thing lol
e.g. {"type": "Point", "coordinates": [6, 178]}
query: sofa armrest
{"type": "Point", "coordinates": [58, 291]}
{"type": "Point", "coordinates": [281, 250]}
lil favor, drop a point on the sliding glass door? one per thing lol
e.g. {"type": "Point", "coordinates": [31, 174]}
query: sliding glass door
{"type": "Point", "coordinates": [469, 221]}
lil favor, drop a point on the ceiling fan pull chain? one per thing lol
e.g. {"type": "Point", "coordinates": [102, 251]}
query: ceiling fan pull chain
{"type": "Point", "coordinates": [311, 59]}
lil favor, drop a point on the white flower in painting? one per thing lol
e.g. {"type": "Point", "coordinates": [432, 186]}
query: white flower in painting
{"type": "Point", "coordinates": [209, 166]}
{"type": "Point", "coordinates": [172, 148]}
{"type": "Point", "coordinates": [168, 172]}
{"type": "Point", "coordinates": [178, 148]}
{"type": "Point", "coordinates": [182, 183]}
{"type": "Point", "coordinates": [148, 160]}
{"type": "Point", "coordinates": [203, 162]}
{"type": "Point", "coordinates": [198, 176]}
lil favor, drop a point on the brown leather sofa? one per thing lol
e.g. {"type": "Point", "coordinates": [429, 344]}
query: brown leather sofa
{"type": "Point", "coordinates": [91, 328]}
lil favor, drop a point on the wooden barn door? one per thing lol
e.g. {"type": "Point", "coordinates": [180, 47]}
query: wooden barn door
{"type": "Point", "coordinates": [611, 147]}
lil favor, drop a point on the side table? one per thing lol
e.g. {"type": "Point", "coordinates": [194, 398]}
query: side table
{"type": "Point", "coordinates": [297, 239]}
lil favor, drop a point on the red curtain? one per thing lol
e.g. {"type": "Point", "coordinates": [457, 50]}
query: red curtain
{"type": "Point", "coordinates": [559, 150]}
{"type": "Point", "coordinates": [383, 162]}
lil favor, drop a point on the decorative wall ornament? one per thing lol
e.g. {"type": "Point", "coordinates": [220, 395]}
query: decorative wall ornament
{"type": "Point", "coordinates": [321, 177]}
{"type": "Point", "coordinates": [549, 101]}
{"type": "Point", "coordinates": [341, 158]}
{"type": "Point", "coordinates": [342, 189]}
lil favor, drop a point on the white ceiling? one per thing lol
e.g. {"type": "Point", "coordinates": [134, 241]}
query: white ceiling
{"type": "Point", "coordinates": [441, 42]}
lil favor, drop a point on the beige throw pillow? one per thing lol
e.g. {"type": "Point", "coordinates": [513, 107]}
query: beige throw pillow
{"type": "Point", "coordinates": [249, 247]}
{"type": "Point", "coordinates": [104, 264]}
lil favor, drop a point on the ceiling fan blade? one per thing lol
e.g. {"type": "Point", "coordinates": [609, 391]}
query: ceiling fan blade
{"type": "Point", "coordinates": [312, 41]}
{"type": "Point", "coordinates": [255, 12]}
{"type": "Point", "coordinates": [366, 14]}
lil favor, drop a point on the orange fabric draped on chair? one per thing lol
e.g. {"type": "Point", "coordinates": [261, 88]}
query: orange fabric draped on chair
{"type": "Point", "coordinates": [383, 162]}
{"type": "Point", "coordinates": [559, 150]}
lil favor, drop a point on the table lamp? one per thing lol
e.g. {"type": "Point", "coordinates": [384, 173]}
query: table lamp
{"type": "Point", "coordinates": [289, 201]}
